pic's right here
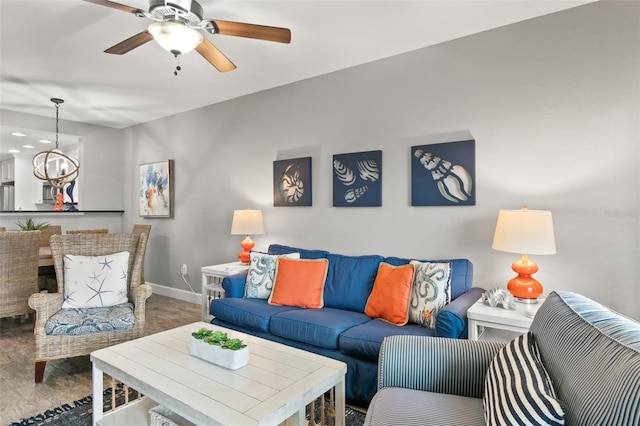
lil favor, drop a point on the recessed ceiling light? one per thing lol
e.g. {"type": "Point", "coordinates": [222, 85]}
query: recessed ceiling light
{"type": "Point", "coordinates": [28, 146]}
{"type": "Point", "coordinates": [18, 134]}
{"type": "Point", "coordinates": [44, 141]}
{"type": "Point", "coordinates": [14, 151]}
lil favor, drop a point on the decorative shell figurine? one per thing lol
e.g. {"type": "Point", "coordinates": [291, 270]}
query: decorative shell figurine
{"type": "Point", "coordinates": [498, 297]}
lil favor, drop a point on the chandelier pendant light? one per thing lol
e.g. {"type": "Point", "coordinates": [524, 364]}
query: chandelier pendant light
{"type": "Point", "coordinates": [54, 166]}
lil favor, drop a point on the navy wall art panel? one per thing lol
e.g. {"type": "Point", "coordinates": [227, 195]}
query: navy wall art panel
{"type": "Point", "coordinates": [292, 182]}
{"type": "Point", "coordinates": [443, 174]}
{"type": "Point", "coordinates": [357, 179]}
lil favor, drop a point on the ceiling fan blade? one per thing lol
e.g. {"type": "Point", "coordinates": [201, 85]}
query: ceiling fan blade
{"type": "Point", "coordinates": [261, 32]}
{"type": "Point", "coordinates": [130, 43]}
{"type": "Point", "coordinates": [114, 5]}
{"type": "Point", "coordinates": [215, 56]}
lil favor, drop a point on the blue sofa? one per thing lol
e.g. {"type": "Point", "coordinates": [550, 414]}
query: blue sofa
{"type": "Point", "coordinates": [340, 329]}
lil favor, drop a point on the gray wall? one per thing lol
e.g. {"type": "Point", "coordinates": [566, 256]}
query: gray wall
{"type": "Point", "coordinates": [553, 104]}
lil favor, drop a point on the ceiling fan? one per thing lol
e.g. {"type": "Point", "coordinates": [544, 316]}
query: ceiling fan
{"type": "Point", "coordinates": [176, 28]}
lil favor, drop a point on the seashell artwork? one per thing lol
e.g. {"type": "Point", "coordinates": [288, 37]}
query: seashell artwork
{"type": "Point", "coordinates": [443, 174]}
{"type": "Point", "coordinates": [357, 179]}
{"type": "Point", "coordinates": [292, 182]}
{"type": "Point", "coordinates": [498, 297]}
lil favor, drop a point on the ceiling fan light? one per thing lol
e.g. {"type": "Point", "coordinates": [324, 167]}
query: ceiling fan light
{"type": "Point", "coordinates": [174, 37]}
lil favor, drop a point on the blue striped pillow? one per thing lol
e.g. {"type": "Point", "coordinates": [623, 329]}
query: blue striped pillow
{"type": "Point", "coordinates": [517, 389]}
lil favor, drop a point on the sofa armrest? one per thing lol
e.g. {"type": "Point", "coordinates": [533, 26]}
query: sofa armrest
{"type": "Point", "coordinates": [434, 364]}
{"type": "Point", "coordinates": [234, 285]}
{"type": "Point", "coordinates": [452, 319]}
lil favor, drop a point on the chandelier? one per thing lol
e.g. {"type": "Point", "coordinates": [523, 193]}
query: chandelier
{"type": "Point", "coordinates": [54, 166]}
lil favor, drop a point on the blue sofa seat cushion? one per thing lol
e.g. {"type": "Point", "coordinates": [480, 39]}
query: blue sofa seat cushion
{"type": "Point", "coordinates": [253, 314]}
{"type": "Point", "coordinates": [318, 327]}
{"type": "Point", "coordinates": [350, 281]}
{"type": "Point", "coordinates": [363, 341]}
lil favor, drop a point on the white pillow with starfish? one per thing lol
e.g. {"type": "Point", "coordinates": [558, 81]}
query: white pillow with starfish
{"type": "Point", "coordinates": [95, 281]}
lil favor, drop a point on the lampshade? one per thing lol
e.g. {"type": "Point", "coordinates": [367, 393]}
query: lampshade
{"type": "Point", "coordinates": [174, 37]}
{"type": "Point", "coordinates": [524, 231]}
{"type": "Point", "coordinates": [247, 222]}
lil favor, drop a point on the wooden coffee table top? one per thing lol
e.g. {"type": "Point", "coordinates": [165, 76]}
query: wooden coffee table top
{"type": "Point", "coordinates": [278, 382]}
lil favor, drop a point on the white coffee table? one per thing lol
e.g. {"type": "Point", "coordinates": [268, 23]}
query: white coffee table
{"type": "Point", "coordinates": [499, 324]}
{"type": "Point", "coordinates": [276, 385]}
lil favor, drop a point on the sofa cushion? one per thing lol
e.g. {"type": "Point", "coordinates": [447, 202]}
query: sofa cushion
{"type": "Point", "coordinates": [349, 281]}
{"type": "Point", "coordinates": [304, 253]}
{"type": "Point", "coordinates": [299, 282]}
{"type": "Point", "coordinates": [254, 314]}
{"type": "Point", "coordinates": [517, 388]}
{"type": "Point", "coordinates": [319, 327]}
{"type": "Point", "coordinates": [400, 406]}
{"type": "Point", "coordinates": [461, 273]}
{"type": "Point", "coordinates": [261, 273]}
{"type": "Point", "coordinates": [430, 292]}
{"type": "Point", "coordinates": [364, 340]}
{"type": "Point", "coordinates": [389, 299]}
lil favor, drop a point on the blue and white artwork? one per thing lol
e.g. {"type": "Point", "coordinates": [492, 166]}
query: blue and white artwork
{"type": "Point", "coordinates": [292, 182]}
{"type": "Point", "coordinates": [357, 179]}
{"type": "Point", "coordinates": [443, 174]}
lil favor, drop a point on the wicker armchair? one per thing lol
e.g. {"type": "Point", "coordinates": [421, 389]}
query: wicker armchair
{"type": "Point", "coordinates": [88, 231]}
{"type": "Point", "coordinates": [18, 271]}
{"type": "Point", "coordinates": [47, 232]}
{"type": "Point", "coordinates": [50, 347]}
{"type": "Point", "coordinates": [142, 229]}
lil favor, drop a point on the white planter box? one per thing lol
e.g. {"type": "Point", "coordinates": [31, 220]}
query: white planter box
{"type": "Point", "coordinates": [216, 355]}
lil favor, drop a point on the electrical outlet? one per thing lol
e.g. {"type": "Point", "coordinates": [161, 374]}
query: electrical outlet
{"type": "Point", "coordinates": [183, 268]}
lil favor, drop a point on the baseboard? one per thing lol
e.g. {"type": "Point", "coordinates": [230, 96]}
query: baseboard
{"type": "Point", "coordinates": [176, 293]}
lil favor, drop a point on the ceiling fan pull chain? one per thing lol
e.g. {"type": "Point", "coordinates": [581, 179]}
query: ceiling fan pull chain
{"type": "Point", "coordinates": [178, 68]}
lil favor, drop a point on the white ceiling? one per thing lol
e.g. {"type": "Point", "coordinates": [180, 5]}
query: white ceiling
{"type": "Point", "coordinates": [55, 48]}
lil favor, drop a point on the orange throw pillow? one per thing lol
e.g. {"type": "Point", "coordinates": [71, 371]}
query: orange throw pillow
{"type": "Point", "coordinates": [389, 299]}
{"type": "Point", "coordinates": [299, 282]}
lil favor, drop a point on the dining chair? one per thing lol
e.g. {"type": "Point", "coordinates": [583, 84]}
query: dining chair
{"type": "Point", "coordinates": [18, 271]}
{"type": "Point", "coordinates": [47, 232]}
{"type": "Point", "coordinates": [142, 229]}
{"type": "Point", "coordinates": [66, 324]}
{"type": "Point", "coordinates": [88, 231]}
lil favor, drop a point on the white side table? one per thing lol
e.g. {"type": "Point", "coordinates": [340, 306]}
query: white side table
{"type": "Point", "coordinates": [498, 324]}
{"type": "Point", "coordinates": [212, 277]}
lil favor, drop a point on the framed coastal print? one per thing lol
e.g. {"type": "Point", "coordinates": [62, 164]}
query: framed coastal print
{"type": "Point", "coordinates": [292, 182]}
{"type": "Point", "coordinates": [155, 196]}
{"type": "Point", "coordinates": [443, 174]}
{"type": "Point", "coordinates": [357, 179]}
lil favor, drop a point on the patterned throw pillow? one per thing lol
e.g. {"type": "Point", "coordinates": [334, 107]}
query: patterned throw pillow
{"type": "Point", "coordinates": [95, 281]}
{"type": "Point", "coordinates": [517, 389]}
{"type": "Point", "coordinates": [430, 292]}
{"type": "Point", "coordinates": [262, 270]}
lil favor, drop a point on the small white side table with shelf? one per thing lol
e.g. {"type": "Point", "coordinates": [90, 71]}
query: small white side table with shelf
{"type": "Point", "coordinates": [499, 324]}
{"type": "Point", "coordinates": [212, 277]}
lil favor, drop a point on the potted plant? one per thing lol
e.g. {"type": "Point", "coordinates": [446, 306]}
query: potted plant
{"type": "Point", "coordinates": [218, 348]}
{"type": "Point", "coordinates": [30, 225]}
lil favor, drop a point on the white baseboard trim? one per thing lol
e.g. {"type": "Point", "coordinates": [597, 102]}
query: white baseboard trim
{"type": "Point", "coordinates": [176, 293]}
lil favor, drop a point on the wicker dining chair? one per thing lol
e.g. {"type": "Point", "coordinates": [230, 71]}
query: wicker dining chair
{"type": "Point", "coordinates": [142, 229]}
{"type": "Point", "coordinates": [47, 232]}
{"type": "Point", "coordinates": [88, 231]}
{"type": "Point", "coordinates": [49, 311]}
{"type": "Point", "coordinates": [18, 271]}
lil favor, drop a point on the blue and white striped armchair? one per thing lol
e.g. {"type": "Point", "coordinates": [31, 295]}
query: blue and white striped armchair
{"type": "Point", "coordinates": [590, 357]}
